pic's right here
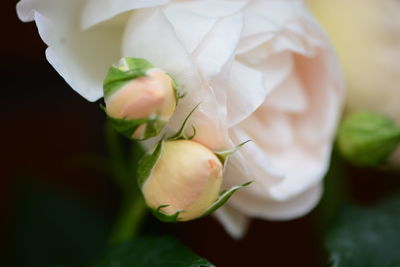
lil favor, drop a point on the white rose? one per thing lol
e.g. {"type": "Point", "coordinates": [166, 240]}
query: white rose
{"type": "Point", "coordinates": [366, 35]}
{"type": "Point", "coordinates": [262, 70]}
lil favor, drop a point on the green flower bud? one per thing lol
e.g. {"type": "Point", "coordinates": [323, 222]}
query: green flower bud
{"type": "Point", "coordinates": [368, 139]}
{"type": "Point", "coordinates": [139, 98]}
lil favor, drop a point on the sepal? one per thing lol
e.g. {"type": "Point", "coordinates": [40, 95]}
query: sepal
{"type": "Point", "coordinates": [127, 70]}
{"type": "Point", "coordinates": [167, 218]}
{"type": "Point", "coordinates": [180, 134]}
{"type": "Point", "coordinates": [223, 198]}
{"type": "Point", "coordinates": [225, 154]}
{"type": "Point", "coordinates": [147, 164]}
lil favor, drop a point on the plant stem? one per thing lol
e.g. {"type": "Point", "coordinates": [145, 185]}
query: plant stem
{"type": "Point", "coordinates": [129, 220]}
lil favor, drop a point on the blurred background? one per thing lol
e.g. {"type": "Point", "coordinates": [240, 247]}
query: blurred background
{"type": "Point", "coordinates": [57, 205]}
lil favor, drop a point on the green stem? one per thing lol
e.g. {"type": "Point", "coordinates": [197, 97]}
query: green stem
{"type": "Point", "coordinates": [129, 220]}
{"type": "Point", "coordinates": [123, 169]}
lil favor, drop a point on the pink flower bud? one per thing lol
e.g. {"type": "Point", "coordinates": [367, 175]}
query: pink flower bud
{"type": "Point", "coordinates": [144, 97]}
{"type": "Point", "coordinates": [187, 178]}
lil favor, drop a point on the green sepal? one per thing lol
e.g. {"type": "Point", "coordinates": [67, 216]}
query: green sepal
{"type": "Point", "coordinates": [153, 126]}
{"type": "Point", "coordinates": [128, 70]}
{"type": "Point", "coordinates": [167, 218]}
{"type": "Point", "coordinates": [128, 127]}
{"type": "Point", "coordinates": [180, 134]}
{"type": "Point", "coordinates": [177, 89]}
{"type": "Point", "coordinates": [225, 154]}
{"type": "Point", "coordinates": [223, 198]}
{"type": "Point", "coordinates": [147, 164]}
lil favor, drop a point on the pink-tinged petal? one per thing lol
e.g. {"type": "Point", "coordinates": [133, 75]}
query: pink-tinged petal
{"type": "Point", "coordinates": [289, 96]}
{"type": "Point", "coordinates": [252, 74]}
{"type": "Point", "coordinates": [97, 11]}
{"type": "Point", "coordinates": [318, 122]}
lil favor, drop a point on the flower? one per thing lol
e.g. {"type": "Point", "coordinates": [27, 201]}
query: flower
{"type": "Point", "coordinates": [194, 179]}
{"type": "Point", "coordinates": [366, 35]}
{"type": "Point", "coordinates": [261, 70]}
{"type": "Point", "coordinates": [140, 99]}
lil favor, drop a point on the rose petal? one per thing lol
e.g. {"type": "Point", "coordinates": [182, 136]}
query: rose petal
{"type": "Point", "coordinates": [253, 205]}
{"type": "Point", "coordinates": [219, 46]}
{"type": "Point", "coordinates": [81, 58]}
{"type": "Point", "coordinates": [289, 96]}
{"type": "Point", "coordinates": [234, 222]}
{"type": "Point", "coordinates": [96, 11]}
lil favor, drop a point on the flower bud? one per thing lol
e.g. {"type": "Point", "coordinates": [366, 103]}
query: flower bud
{"type": "Point", "coordinates": [185, 180]}
{"type": "Point", "coordinates": [140, 99]}
{"type": "Point", "coordinates": [367, 138]}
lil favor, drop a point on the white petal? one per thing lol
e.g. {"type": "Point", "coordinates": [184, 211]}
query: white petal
{"type": "Point", "coordinates": [210, 8]}
{"type": "Point", "coordinates": [190, 27]}
{"type": "Point", "coordinates": [234, 222]}
{"type": "Point", "coordinates": [304, 167]}
{"type": "Point", "coordinates": [81, 58]}
{"type": "Point", "coordinates": [96, 11]}
{"type": "Point", "coordinates": [257, 207]}
{"type": "Point", "coordinates": [219, 45]}
{"type": "Point", "coordinates": [241, 102]}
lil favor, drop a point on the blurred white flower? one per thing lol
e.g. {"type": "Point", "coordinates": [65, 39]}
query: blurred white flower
{"type": "Point", "coordinates": [262, 70]}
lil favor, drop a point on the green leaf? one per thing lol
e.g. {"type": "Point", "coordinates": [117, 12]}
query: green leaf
{"type": "Point", "coordinates": [223, 198]}
{"type": "Point", "coordinates": [366, 236]}
{"type": "Point", "coordinates": [152, 252]}
{"type": "Point", "coordinates": [147, 163]}
{"type": "Point", "coordinates": [129, 69]}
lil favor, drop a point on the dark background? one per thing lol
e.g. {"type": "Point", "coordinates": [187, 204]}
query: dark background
{"type": "Point", "coordinates": [57, 210]}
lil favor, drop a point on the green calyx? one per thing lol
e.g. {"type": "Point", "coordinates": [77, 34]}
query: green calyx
{"type": "Point", "coordinates": [368, 139]}
{"type": "Point", "coordinates": [223, 198]}
{"type": "Point", "coordinates": [147, 164]}
{"type": "Point", "coordinates": [127, 70]}
{"type": "Point", "coordinates": [167, 218]}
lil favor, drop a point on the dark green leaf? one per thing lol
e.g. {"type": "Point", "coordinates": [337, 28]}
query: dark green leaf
{"type": "Point", "coordinates": [367, 237]}
{"type": "Point", "coordinates": [152, 252]}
